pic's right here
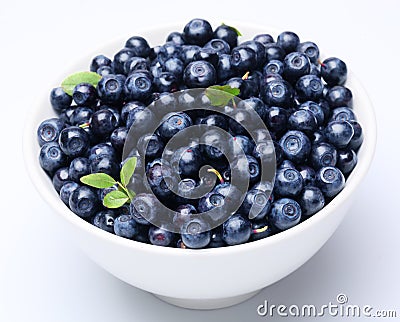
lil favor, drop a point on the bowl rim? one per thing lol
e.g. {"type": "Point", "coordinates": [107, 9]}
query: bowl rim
{"type": "Point", "coordinates": [41, 181]}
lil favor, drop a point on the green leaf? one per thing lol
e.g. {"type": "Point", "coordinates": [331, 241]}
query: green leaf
{"type": "Point", "coordinates": [234, 29]}
{"type": "Point", "coordinates": [115, 199]}
{"type": "Point", "coordinates": [127, 170]}
{"type": "Point", "coordinates": [98, 180]}
{"type": "Point", "coordinates": [221, 95]}
{"type": "Point", "coordinates": [71, 81]}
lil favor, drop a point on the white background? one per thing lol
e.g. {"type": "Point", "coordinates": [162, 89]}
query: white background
{"type": "Point", "coordinates": [44, 277]}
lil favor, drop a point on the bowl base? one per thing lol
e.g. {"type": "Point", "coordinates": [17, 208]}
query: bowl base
{"type": "Point", "coordinates": [207, 304]}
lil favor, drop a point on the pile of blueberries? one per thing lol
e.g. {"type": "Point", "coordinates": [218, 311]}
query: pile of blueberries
{"type": "Point", "coordinates": [313, 133]}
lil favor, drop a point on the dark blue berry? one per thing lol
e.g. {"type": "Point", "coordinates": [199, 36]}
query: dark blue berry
{"type": "Point", "coordinates": [174, 66]}
{"type": "Point", "coordinates": [357, 138]}
{"type": "Point", "coordinates": [343, 113]}
{"type": "Point", "coordinates": [295, 65]}
{"type": "Point", "coordinates": [99, 61]}
{"type": "Point", "coordinates": [139, 46]}
{"type": "Point", "coordinates": [74, 141]}
{"type": "Point", "coordinates": [66, 190]}
{"type": "Point", "coordinates": [323, 155]}
{"type": "Point", "coordinates": [208, 55]}
{"type": "Point", "coordinates": [159, 178]}
{"type": "Point", "coordinates": [197, 32]}
{"type": "Point", "coordinates": [274, 52]}
{"type": "Point", "coordinates": [195, 233]}
{"type": "Point", "coordinates": [277, 93]}
{"type": "Point", "coordinates": [102, 149]}
{"type": "Point", "coordinates": [188, 161]}
{"type": "Point", "coordinates": [216, 238]}
{"type": "Point", "coordinates": [120, 58]}
{"type": "Point", "coordinates": [288, 182]}
{"type": "Point", "coordinates": [227, 34]}
{"type": "Point", "coordinates": [84, 94]}
{"type": "Point", "coordinates": [142, 118]}
{"type": "Point", "coordinates": [105, 70]}
{"type": "Point", "coordinates": [105, 164]}
{"type": "Point", "coordinates": [138, 86]}
{"type": "Point", "coordinates": [288, 41]}
{"type": "Point", "coordinates": [118, 138]}
{"type": "Point", "coordinates": [49, 130]}
{"type": "Point", "coordinates": [135, 63]}
{"type": "Point", "coordinates": [339, 133]}
{"type": "Point", "coordinates": [273, 67]}
{"type": "Point", "coordinates": [310, 49]}
{"type": "Point", "coordinates": [308, 174]}
{"type": "Point", "coordinates": [346, 161]}
{"type": "Point", "coordinates": [276, 119]}
{"type": "Point", "coordinates": [81, 115]}
{"type": "Point", "coordinates": [311, 200]}
{"type": "Point", "coordinates": [103, 123]}
{"type": "Point", "coordinates": [51, 157]}
{"type": "Point", "coordinates": [104, 220]}
{"type": "Point", "coordinates": [144, 208]}
{"type": "Point", "coordinates": [261, 229]}
{"type": "Point", "coordinates": [218, 45]}
{"type": "Point", "coordinates": [188, 52]}
{"type": "Point", "coordinates": [259, 50]}
{"type": "Point", "coordinates": [84, 202]}
{"type": "Point", "coordinates": [60, 177]}
{"type": "Point", "coordinates": [160, 237]}
{"type": "Point", "coordinates": [330, 180]}
{"type": "Point", "coordinates": [264, 39]}
{"type": "Point", "coordinates": [183, 213]}
{"type": "Point", "coordinates": [110, 88]}
{"type": "Point", "coordinates": [166, 82]}
{"type": "Point", "coordinates": [243, 59]}
{"type": "Point", "coordinates": [236, 230]}
{"type": "Point", "coordinates": [315, 109]}
{"type": "Point", "coordinates": [309, 88]}
{"type": "Point", "coordinates": [199, 74]}
{"type": "Point", "coordinates": [176, 38]}
{"type": "Point", "coordinates": [303, 120]}
{"type": "Point", "coordinates": [296, 146]}
{"type": "Point", "coordinates": [59, 99]}
{"type": "Point", "coordinates": [256, 204]}
{"type": "Point", "coordinates": [129, 106]}
{"type": "Point", "coordinates": [172, 123]}
{"type": "Point", "coordinates": [334, 71]}
{"type": "Point", "coordinates": [339, 96]}
{"type": "Point", "coordinates": [125, 226]}
{"type": "Point", "coordinates": [285, 213]}
{"type": "Point", "coordinates": [78, 167]}
{"type": "Point", "coordinates": [247, 167]}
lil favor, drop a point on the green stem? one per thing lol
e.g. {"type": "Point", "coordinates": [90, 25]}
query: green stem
{"type": "Point", "coordinates": [125, 190]}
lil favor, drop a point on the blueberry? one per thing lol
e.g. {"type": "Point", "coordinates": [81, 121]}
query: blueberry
{"type": "Point", "coordinates": [243, 59]}
{"type": "Point", "coordinates": [150, 145]}
{"type": "Point", "coordinates": [339, 96]}
{"type": "Point", "coordinates": [288, 182]}
{"type": "Point", "coordinates": [220, 46]}
{"type": "Point", "coordinates": [261, 229]}
{"type": "Point", "coordinates": [99, 61]}
{"type": "Point", "coordinates": [323, 155]}
{"type": "Point", "coordinates": [74, 141]}
{"type": "Point", "coordinates": [276, 119]}
{"type": "Point", "coordinates": [227, 34]}
{"type": "Point", "coordinates": [318, 137]}
{"type": "Point", "coordinates": [105, 70]}
{"type": "Point", "coordinates": [311, 200]}
{"type": "Point", "coordinates": [142, 118]}
{"type": "Point", "coordinates": [274, 52]}
{"type": "Point", "coordinates": [120, 59]}
{"type": "Point", "coordinates": [295, 65]}
{"type": "Point", "coordinates": [195, 233]}
{"type": "Point", "coordinates": [78, 167]}
{"type": "Point", "coordinates": [83, 201]}
{"type": "Point", "coordinates": [138, 85]}
{"type": "Point", "coordinates": [188, 52]}
{"type": "Point", "coordinates": [139, 46]}
{"type": "Point", "coordinates": [166, 82]}
{"type": "Point", "coordinates": [199, 74]}
{"type": "Point", "coordinates": [103, 123]}
{"type": "Point", "coordinates": [303, 120]}
{"type": "Point", "coordinates": [184, 213]}
{"type": "Point", "coordinates": [241, 144]}
{"type": "Point", "coordinates": [110, 88]}
{"type": "Point", "coordinates": [264, 39]}
{"type": "Point", "coordinates": [104, 163]}
{"type": "Point", "coordinates": [309, 88]}
{"type": "Point", "coordinates": [310, 49]}
{"type": "Point", "coordinates": [308, 174]}
{"type": "Point", "coordinates": [277, 93]}
{"type": "Point", "coordinates": [176, 38]}
{"type": "Point", "coordinates": [125, 226]}
{"type": "Point", "coordinates": [264, 152]}
{"type": "Point", "coordinates": [216, 120]}
{"type": "Point", "coordinates": [343, 114]}
{"type": "Point", "coordinates": [188, 161]}
{"type": "Point", "coordinates": [208, 55]}
{"type": "Point", "coordinates": [256, 204]}
{"type": "Point", "coordinates": [334, 71]}
{"type": "Point", "coordinates": [241, 120]}
{"type": "Point", "coordinates": [60, 177]}
{"type": "Point", "coordinates": [66, 191]}
{"type": "Point", "coordinates": [315, 70]}
{"type": "Point", "coordinates": [296, 146]}
{"type": "Point", "coordinates": [105, 191]}
{"type": "Point", "coordinates": [197, 32]}
{"type": "Point", "coordinates": [288, 41]}
{"type": "Point", "coordinates": [216, 238]}
{"type": "Point", "coordinates": [174, 66]}
{"type": "Point", "coordinates": [135, 63]}
{"type": "Point", "coordinates": [172, 123]}
{"type": "Point", "coordinates": [104, 220]}
{"type": "Point", "coordinates": [347, 160]}
{"type": "Point", "coordinates": [212, 201]}
{"type": "Point", "coordinates": [247, 87]}
{"type": "Point", "coordinates": [159, 177]}
{"type": "Point", "coordinates": [160, 236]}
{"type": "Point", "coordinates": [273, 67]}
{"type": "Point", "coordinates": [259, 50]}
{"type": "Point", "coordinates": [285, 213]}
{"type": "Point", "coordinates": [84, 94]}
{"type": "Point", "coordinates": [144, 208]}
{"type": "Point", "coordinates": [102, 149]}
{"type": "Point", "coordinates": [81, 115]}
{"type": "Point", "coordinates": [330, 180]}
{"type": "Point", "coordinates": [339, 133]}
{"type": "Point", "coordinates": [118, 138]}
{"type": "Point", "coordinates": [358, 137]}
{"type": "Point", "coordinates": [168, 50]}
{"type": "Point", "coordinates": [287, 164]}
{"type": "Point", "coordinates": [129, 106]}
{"type": "Point", "coordinates": [315, 109]}
{"type": "Point", "coordinates": [247, 167]}
{"type": "Point", "coordinates": [59, 99]}
{"type": "Point", "coordinates": [49, 130]}
{"type": "Point", "coordinates": [143, 234]}
{"type": "Point", "coordinates": [236, 230]}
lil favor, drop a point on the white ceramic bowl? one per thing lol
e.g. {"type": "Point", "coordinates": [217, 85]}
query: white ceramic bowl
{"type": "Point", "coordinates": [207, 278]}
